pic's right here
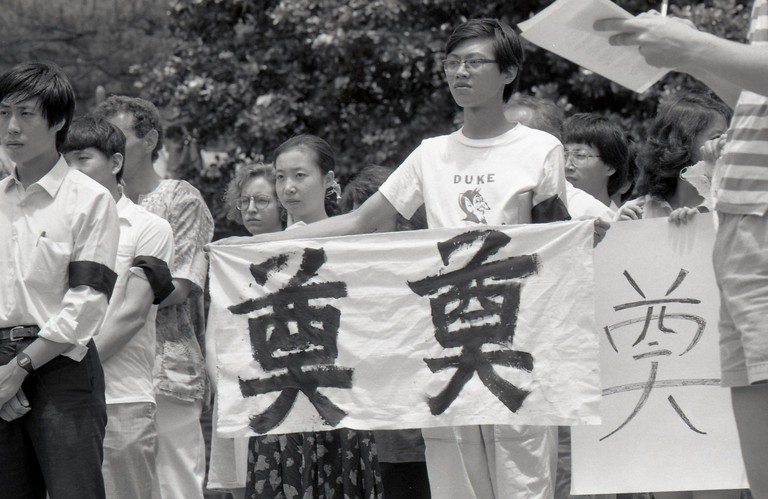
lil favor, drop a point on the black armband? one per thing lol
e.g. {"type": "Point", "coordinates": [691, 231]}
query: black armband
{"type": "Point", "coordinates": [158, 274]}
{"type": "Point", "coordinates": [96, 275]}
{"type": "Point", "coordinates": [550, 210]}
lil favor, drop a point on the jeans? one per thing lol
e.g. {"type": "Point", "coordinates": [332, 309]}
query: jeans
{"type": "Point", "coordinates": [57, 446]}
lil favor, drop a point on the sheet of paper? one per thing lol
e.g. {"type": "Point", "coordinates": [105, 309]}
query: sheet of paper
{"type": "Point", "coordinates": [565, 28]}
{"type": "Point", "coordinates": [667, 424]}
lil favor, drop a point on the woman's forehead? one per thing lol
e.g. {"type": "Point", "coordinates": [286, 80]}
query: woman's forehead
{"type": "Point", "coordinates": [295, 159]}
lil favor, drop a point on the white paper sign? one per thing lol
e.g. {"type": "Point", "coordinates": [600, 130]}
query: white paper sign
{"type": "Point", "coordinates": [667, 424]}
{"type": "Point", "coordinates": [565, 28]}
{"type": "Point", "coordinates": [415, 329]}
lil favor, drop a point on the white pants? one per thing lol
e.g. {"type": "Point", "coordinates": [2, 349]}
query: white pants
{"type": "Point", "coordinates": [180, 450]}
{"type": "Point", "coordinates": [129, 450]}
{"type": "Point", "coordinates": [491, 461]}
{"type": "Point", "coordinates": [229, 459]}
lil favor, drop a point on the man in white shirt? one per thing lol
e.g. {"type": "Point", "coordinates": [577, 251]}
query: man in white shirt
{"type": "Point", "coordinates": [58, 241]}
{"type": "Point", "coordinates": [126, 342]}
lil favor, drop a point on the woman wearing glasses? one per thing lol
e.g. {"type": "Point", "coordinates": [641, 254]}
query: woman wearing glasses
{"type": "Point", "coordinates": [596, 159]}
{"type": "Point", "coordinates": [251, 200]}
{"type": "Point", "coordinates": [674, 143]}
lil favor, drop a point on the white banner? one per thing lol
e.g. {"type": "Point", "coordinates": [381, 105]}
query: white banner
{"type": "Point", "coordinates": [667, 424]}
{"type": "Point", "coordinates": [416, 329]}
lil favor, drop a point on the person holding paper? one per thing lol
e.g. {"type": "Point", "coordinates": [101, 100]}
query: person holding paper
{"type": "Point", "coordinates": [676, 135]}
{"type": "Point", "coordinates": [738, 73]}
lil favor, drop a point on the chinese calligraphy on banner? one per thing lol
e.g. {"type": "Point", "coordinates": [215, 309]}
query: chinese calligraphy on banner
{"type": "Point", "coordinates": [667, 424]}
{"type": "Point", "coordinates": [406, 330]}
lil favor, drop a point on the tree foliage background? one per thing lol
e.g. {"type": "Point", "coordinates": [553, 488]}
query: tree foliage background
{"type": "Point", "coordinates": [242, 76]}
{"type": "Point", "coordinates": [96, 42]}
{"type": "Point", "coordinates": [363, 74]}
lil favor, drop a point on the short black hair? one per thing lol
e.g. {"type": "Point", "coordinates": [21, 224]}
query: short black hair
{"type": "Point", "coordinates": [46, 82]}
{"type": "Point", "coordinates": [95, 131]}
{"type": "Point", "coordinates": [507, 48]}
{"type": "Point", "coordinates": [146, 117]}
{"type": "Point", "coordinates": [605, 136]}
{"type": "Point", "coordinates": [325, 158]}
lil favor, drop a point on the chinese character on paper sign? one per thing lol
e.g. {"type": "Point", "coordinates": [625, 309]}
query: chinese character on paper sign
{"type": "Point", "coordinates": [474, 306]}
{"type": "Point", "coordinates": [664, 335]}
{"type": "Point", "coordinates": [295, 336]}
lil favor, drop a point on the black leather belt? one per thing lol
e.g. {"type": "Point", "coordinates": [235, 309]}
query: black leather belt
{"type": "Point", "coordinates": [17, 333]}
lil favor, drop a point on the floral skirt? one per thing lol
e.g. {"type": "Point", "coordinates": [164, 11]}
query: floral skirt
{"type": "Point", "coordinates": [338, 464]}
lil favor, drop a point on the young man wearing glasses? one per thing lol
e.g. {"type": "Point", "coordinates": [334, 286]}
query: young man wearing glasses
{"type": "Point", "coordinates": [518, 173]}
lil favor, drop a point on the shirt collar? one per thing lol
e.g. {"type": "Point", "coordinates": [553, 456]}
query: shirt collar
{"type": "Point", "coordinates": [51, 181]}
{"type": "Point", "coordinates": [125, 209]}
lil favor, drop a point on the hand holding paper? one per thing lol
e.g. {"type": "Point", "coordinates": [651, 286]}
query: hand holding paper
{"type": "Point", "coordinates": [664, 42]}
{"type": "Point", "coordinates": [568, 28]}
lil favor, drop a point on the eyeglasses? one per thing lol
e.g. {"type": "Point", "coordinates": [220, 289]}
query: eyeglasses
{"type": "Point", "coordinates": [578, 157]}
{"type": "Point", "coordinates": [244, 202]}
{"type": "Point", "coordinates": [451, 66]}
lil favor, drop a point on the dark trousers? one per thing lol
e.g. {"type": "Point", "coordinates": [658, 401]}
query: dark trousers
{"type": "Point", "coordinates": [405, 480]}
{"type": "Point", "coordinates": [57, 446]}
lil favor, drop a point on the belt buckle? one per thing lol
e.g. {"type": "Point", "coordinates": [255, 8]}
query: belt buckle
{"type": "Point", "coordinates": [12, 337]}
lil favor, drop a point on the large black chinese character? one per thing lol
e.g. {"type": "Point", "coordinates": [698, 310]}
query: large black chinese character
{"type": "Point", "coordinates": [658, 346]}
{"type": "Point", "coordinates": [474, 306]}
{"type": "Point", "coordinates": [292, 336]}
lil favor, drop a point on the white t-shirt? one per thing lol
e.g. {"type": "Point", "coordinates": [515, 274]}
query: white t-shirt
{"type": "Point", "coordinates": [465, 182]}
{"type": "Point", "coordinates": [128, 373]}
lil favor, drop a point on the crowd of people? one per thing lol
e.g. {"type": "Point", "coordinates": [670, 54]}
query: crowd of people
{"type": "Point", "coordinates": [103, 355]}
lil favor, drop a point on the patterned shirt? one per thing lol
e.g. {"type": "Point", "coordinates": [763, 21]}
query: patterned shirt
{"type": "Point", "coordinates": [744, 185]}
{"type": "Point", "coordinates": [63, 218]}
{"type": "Point", "coordinates": [179, 369]}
